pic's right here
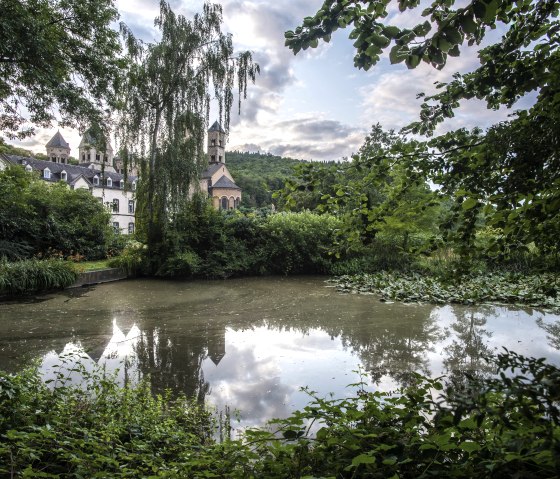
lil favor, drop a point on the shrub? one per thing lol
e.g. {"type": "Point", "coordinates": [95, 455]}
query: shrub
{"type": "Point", "coordinates": [132, 259]}
{"type": "Point", "coordinates": [30, 276]}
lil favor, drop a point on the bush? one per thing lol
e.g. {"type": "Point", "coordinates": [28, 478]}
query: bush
{"type": "Point", "coordinates": [31, 276]}
{"type": "Point", "coordinates": [132, 259]}
{"type": "Point", "coordinates": [501, 427]}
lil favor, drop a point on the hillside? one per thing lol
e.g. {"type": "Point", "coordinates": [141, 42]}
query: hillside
{"type": "Point", "coordinates": [259, 175]}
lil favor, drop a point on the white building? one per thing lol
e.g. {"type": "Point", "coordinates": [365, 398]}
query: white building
{"type": "Point", "coordinates": [95, 174]}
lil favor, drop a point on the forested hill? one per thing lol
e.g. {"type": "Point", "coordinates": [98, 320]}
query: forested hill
{"type": "Point", "coordinates": [259, 175]}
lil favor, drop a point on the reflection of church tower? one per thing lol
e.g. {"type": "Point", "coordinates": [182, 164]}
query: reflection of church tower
{"type": "Point", "coordinates": [96, 150]}
{"type": "Point", "coordinates": [216, 144]}
{"type": "Point", "coordinates": [58, 150]}
{"type": "Point", "coordinates": [217, 345]}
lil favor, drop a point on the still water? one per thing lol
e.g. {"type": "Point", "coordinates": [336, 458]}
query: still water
{"type": "Point", "coordinates": [253, 343]}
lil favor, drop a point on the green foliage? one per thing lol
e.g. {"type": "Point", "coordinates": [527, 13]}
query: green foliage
{"type": "Point", "coordinates": [203, 242]}
{"type": "Point", "coordinates": [164, 107]}
{"type": "Point", "coordinates": [30, 276]}
{"type": "Point", "coordinates": [375, 193]}
{"type": "Point", "coordinates": [507, 425]}
{"type": "Point", "coordinates": [47, 59]}
{"type": "Point", "coordinates": [132, 259]}
{"type": "Point", "coordinates": [37, 218]}
{"type": "Point", "coordinates": [537, 290]}
{"type": "Point", "coordinates": [508, 177]}
{"type": "Point", "coordinates": [99, 430]}
{"type": "Point", "coordinates": [259, 175]}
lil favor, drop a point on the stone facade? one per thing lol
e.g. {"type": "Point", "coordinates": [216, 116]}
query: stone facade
{"type": "Point", "coordinates": [216, 180]}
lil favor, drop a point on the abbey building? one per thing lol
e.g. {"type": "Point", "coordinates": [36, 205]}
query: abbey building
{"type": "Point", "coordinates": [96, 172]}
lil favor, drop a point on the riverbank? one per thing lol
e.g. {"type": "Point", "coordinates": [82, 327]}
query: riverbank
{"type": "Point", "coordinates": [534, 290]}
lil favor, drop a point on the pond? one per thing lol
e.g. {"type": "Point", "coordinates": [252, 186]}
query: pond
{"type": "Point", "coordinates": [253, 343]}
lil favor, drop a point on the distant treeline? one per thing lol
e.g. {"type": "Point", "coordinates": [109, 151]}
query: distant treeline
{"type": "Point", "coordinates": [259, 175]}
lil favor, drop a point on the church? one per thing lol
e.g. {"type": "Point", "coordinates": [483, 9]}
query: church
{"type": "Point", "coordinates": [100, 172]}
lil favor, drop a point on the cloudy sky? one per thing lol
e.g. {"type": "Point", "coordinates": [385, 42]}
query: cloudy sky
{"type": "Point", "coordinates": [315, 105]}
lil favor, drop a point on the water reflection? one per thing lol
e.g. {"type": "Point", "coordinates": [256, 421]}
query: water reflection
{"type": "Point", "coordinates": [253, 343]}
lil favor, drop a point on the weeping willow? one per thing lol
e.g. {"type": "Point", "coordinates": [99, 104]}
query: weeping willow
{"type": "Point", "coordinates": [164, 109]}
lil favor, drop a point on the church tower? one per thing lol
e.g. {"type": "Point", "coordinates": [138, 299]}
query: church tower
{"type": "Point", "coordinates": [90, 154]}
{"type": "Point", "coordinates": [216, 144]}
{"type": "Point", "coordinates": [58, 150]}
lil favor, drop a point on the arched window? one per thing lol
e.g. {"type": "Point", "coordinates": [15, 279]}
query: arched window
{"type": "Point", "coordinates": [63, 175]}
{"type": "Point", "coordinates": [97, 158]}
{"type": "Point", "coordinates": [237, 202]}
{"type": "Point", "coordinates": [224, 203]}
{"type": "Point", "coordinates": [47, 174]}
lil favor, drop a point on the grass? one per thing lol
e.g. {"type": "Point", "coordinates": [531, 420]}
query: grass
{"type": "Point", "coordinates": [93, 265]}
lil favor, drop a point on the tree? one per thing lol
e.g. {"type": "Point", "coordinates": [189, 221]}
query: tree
{"type": "Point", "coordinates": [56, 58]}
{"type": "Point", "coordinates": [511, 174]}
{"type": "Point", "coordinates": [37, 218]}
{"type": "Point", "coordinates": [165, 105]}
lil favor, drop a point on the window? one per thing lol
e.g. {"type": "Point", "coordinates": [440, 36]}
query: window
{"type": "Point", "coordinates": [213, 142]}
{"type": "Point", "coordinates": [131, 206]}
{"type": "Point", "coordinates": [122, 184]}
{"type": "Point", "coordinates": [130, 228]}
{"type": "Point", "coordinates": [89, 156]}
{"type": "Point", "coordinates": [83, 157]}
{"type": "Point", "coordinates": [96, 180]}
{"type": "Point", "coordinates": [224, 205]}
{"type": "Point", "coordinates": [97, 158]}
{"type": "Point", "coordinates": [47, 174]}
{"type": "Point", "coordinates": [213, 158]}
{"type": "Point", "coordinates": [220, 159]}
{"type": "Point", "coordinates": [237, 202]}
{"type": "Point", "coordinates": [115, 206]}
{"type": "Point", "coordinates": [53, 159]}
{"type": "Point", "coordinates": [28, 168]}
{"type": "Point", "coordinates": [109, 182]}
{"type": "Point", "coordinates": [134, 185]}
{"type": "Point", "coordinates": [220, 142]}
{"type": "Point", "coordinates": [63, 175]}
{"type": "Point", "coordinates": [116, 227]}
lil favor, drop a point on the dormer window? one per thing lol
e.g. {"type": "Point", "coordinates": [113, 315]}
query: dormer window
{"type": "Point", "coordinates": [122, 184]}
{"type": "Point", "coordinates": [109, 182]}
{"type": "Point", "coordinates": [133, 185]}
{"type": "Point", "coordinates": [63, 175]}
{"type": "Point", "coordinates": [28, 168]}
{"type": "Point", "coordinates": [96, 180]}
{"type": "Point", "coordinates": [47, 174]}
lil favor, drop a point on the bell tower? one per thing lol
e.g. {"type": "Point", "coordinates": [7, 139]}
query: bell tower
{"type": "Point", "coordinates": [216, 144]}
{"type": "Point", "coordinates": [58, 150]}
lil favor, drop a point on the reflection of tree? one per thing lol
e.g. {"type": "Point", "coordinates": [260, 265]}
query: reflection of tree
{"type": "Point", "coordinates": [552, 332]}
{"type": "Point", "coordinates": [468, 349]}
{"type": "Point", "coordinates": [397, 352]}
{"type": "Point", "coordinates": [173, 361]}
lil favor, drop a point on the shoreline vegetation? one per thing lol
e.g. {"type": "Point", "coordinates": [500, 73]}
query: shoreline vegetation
{"type": "Point", "coordinates": [536, 290]}
{"type": "Point", "coordinates": [507, 425]}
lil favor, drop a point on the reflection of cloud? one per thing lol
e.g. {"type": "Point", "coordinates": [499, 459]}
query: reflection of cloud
{"type": "Point", "coordinates": [249, 384]}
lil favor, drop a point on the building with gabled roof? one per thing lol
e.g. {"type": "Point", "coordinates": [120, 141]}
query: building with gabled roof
{"type": "Point", "coordinates": [216, 179]}
{"type": "Point", "coordinates": [104, 183]}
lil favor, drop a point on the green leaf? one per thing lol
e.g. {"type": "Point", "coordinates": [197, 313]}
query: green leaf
{"type": "Point", "coordinates": [469, 203]}
{"type": "Point", "coordinates": [363, 459]}
{"type": "Point", "coordinates": [469, 446]}
{"type": "Point", "coordinates": [412, 61]}
{"type": "Point", "coordinates": [398, 54]}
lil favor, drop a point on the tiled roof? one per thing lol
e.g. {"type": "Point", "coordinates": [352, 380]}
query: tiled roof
{"type": "Point", "coordinates": [225, 182]}
{"type": "Point", "coordinates": [73, 172]}
{"type": "Point", "coordinates": [216, 127]}
{"type": "Point", "coordinates": [58, 142]}
{"type": "Point", "coordinates": [212, 168]}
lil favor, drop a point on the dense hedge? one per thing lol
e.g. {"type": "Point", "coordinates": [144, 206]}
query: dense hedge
{"type": "Point", "coordinates": [50, 220]}
{"type": "Point", "coordinates": [500, 427]}
{"type": "Point", "coordinates": [30, 276]}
